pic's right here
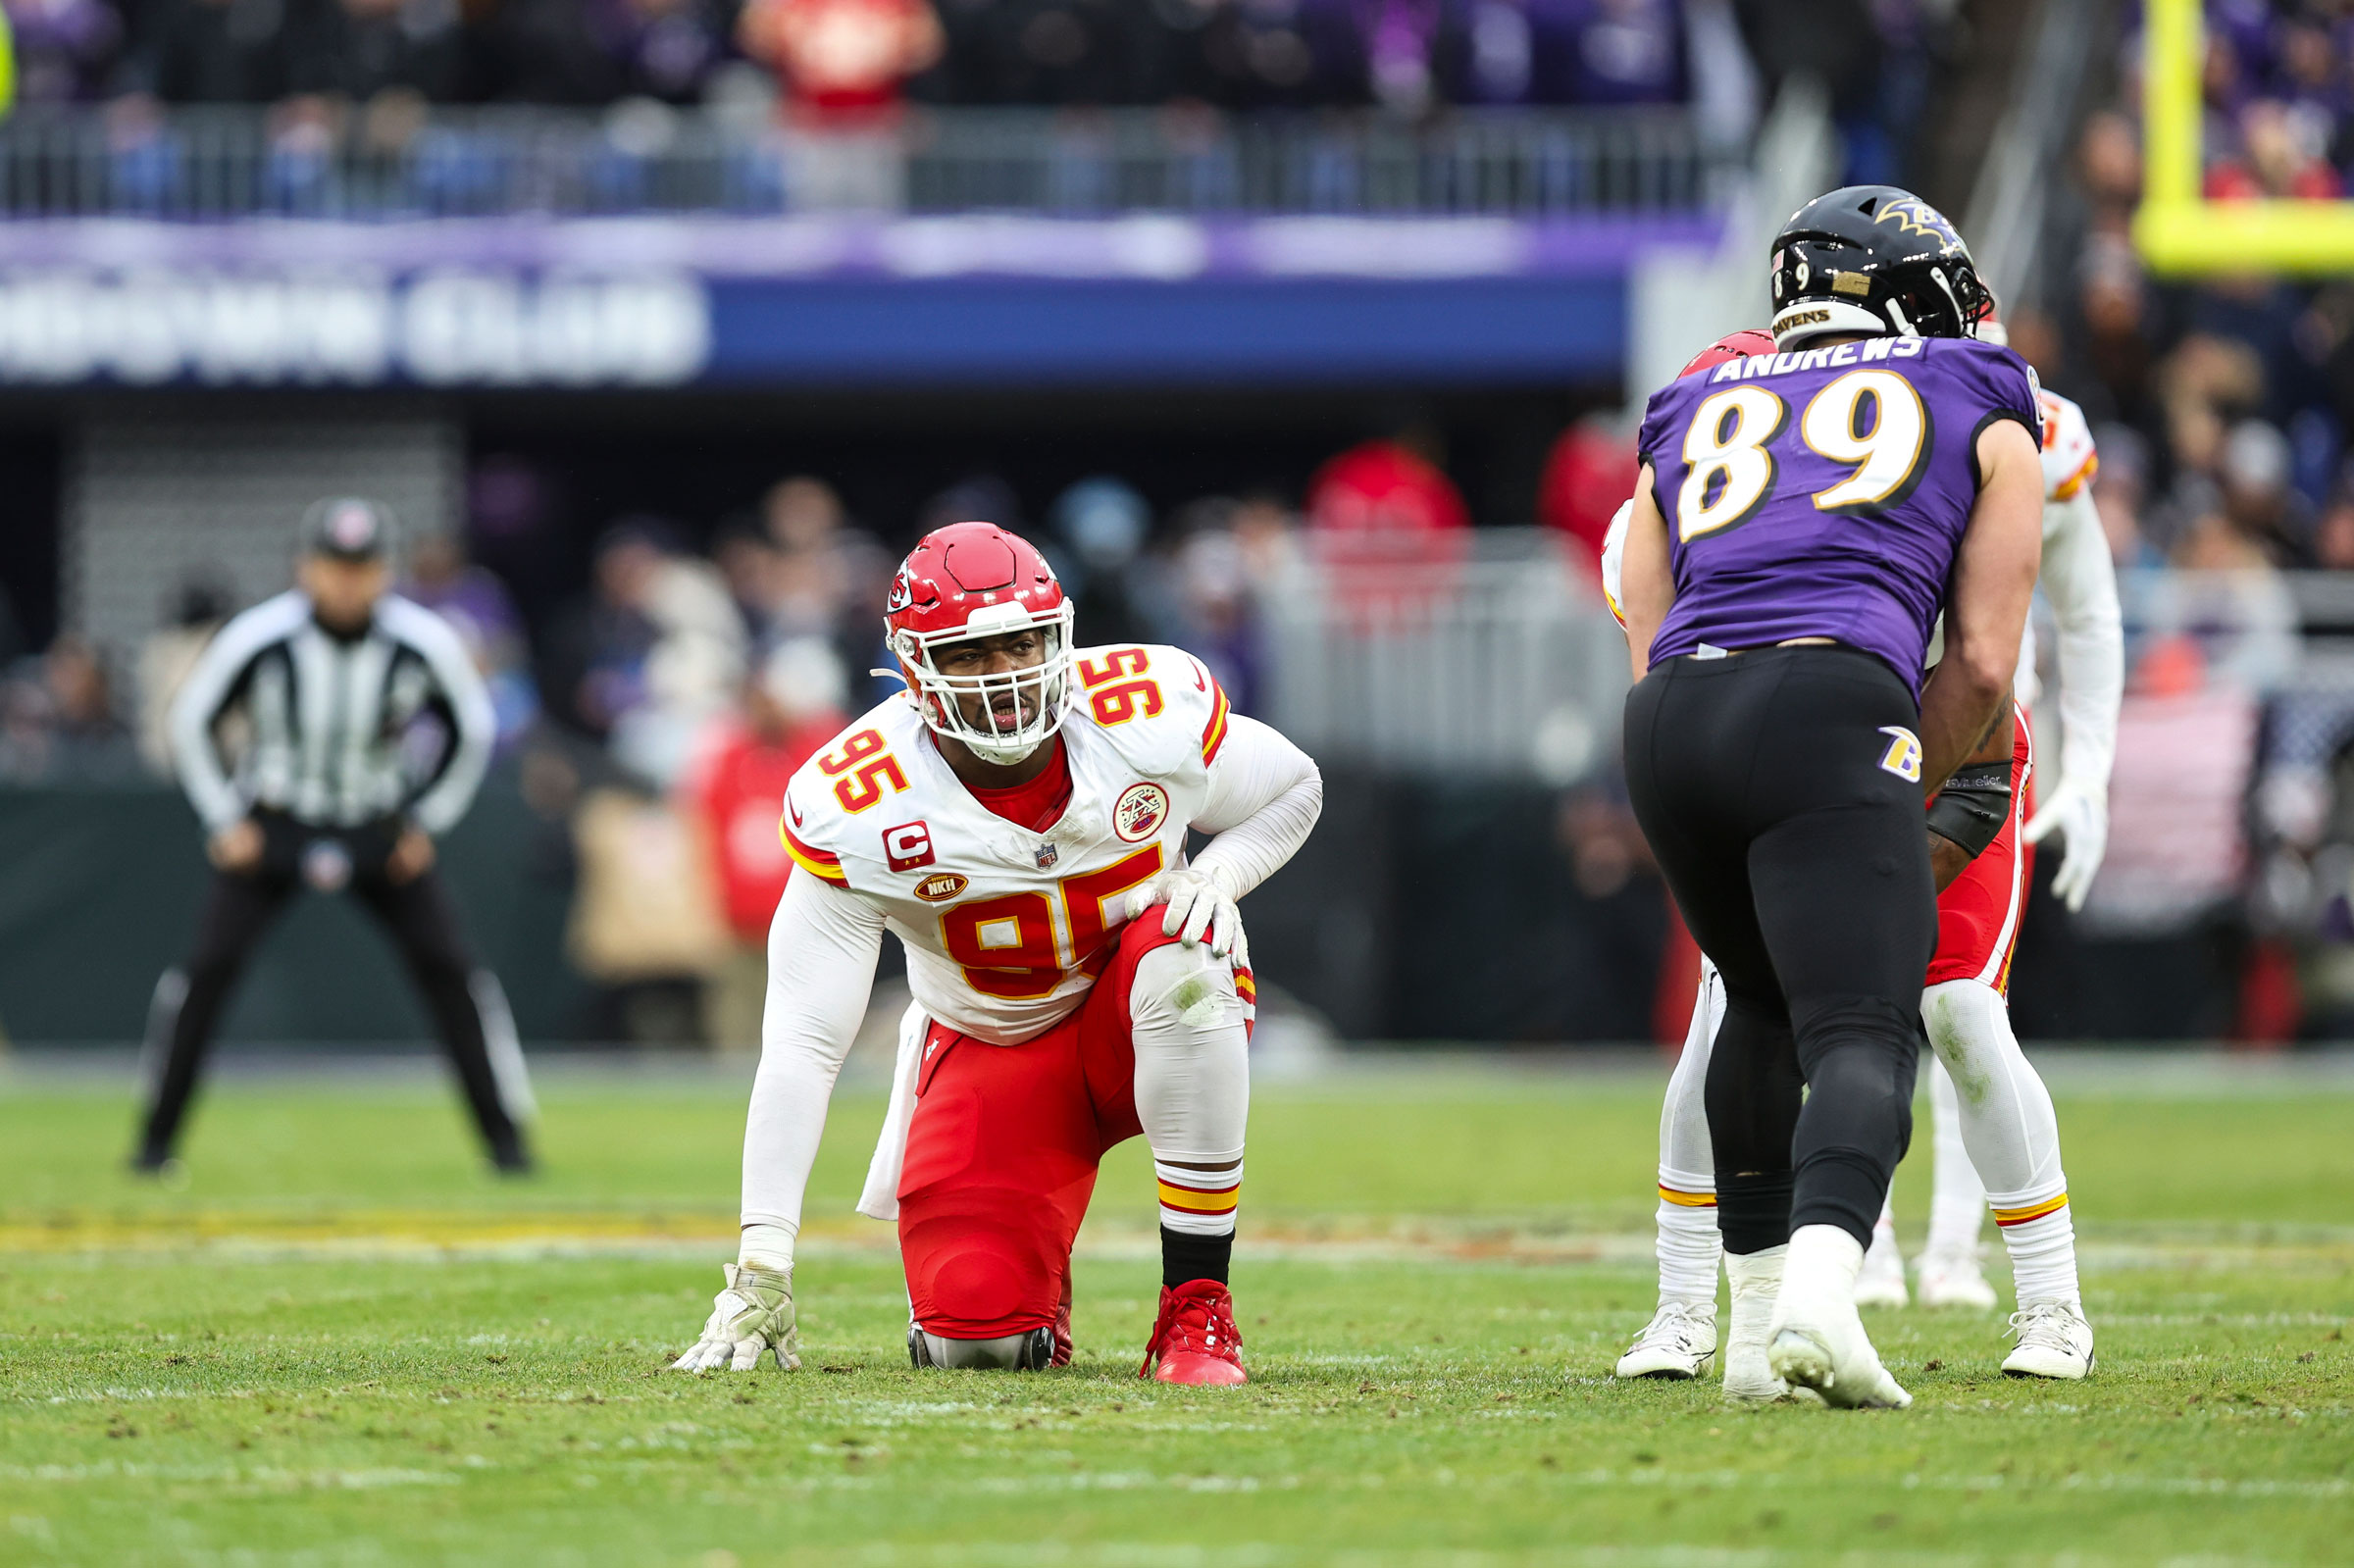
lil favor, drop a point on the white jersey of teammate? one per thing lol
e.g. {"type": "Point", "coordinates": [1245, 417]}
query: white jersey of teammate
{"type": "Point", "coordinates": [2068, 459]}
{"type": "Point", "coordinates": [1005, 927]}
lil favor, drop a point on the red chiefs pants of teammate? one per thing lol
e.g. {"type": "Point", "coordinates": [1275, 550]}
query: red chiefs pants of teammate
{"type": "Point", "coordinates": [1001, 1158]}
{"type": "Point", "coordinates": [1978, 913]}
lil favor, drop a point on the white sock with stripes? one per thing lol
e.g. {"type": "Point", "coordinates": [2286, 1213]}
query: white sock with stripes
{"type": "Point", "coordinates": [2012, 1135]}
{"type": "Point", "coordinates": [1192, 1083]}
{"type": "Point", "coordinates": [1195, 1201]}
{"type": "Point", "coordinates": [1689, 1245]}
{"type": "Point", "coordinates": [2040, 1233]}
{"type": "Point", "coordinates": [2008, 1127]}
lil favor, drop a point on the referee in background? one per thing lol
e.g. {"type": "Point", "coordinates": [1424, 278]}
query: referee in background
{"type": "Point", "coordinates": [331, 679]}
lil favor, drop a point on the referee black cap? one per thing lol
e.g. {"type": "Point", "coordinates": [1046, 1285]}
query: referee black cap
{"type": "Point", "coordinates": [348, 527]}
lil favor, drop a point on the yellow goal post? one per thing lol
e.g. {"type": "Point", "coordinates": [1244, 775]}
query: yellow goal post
{"type": "Point", "coordinates": [2182, 235]}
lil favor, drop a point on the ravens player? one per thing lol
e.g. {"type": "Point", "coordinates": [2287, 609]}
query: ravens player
{"type": "Point", "coordinates": [1799, 521]}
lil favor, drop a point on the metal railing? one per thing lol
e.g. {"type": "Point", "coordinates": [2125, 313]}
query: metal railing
{"type": "Point", "coordinates": [229, 162]}
{"type": "Point", "coordinates": [1494, 655]}
{"type": "Point", "coordinates": [1488, 656]}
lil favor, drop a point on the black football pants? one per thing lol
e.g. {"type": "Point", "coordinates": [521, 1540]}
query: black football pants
{"type": "Point", "coordinates": [423, 923]}
{"type": "Point", "coordinates": [1770, 786]}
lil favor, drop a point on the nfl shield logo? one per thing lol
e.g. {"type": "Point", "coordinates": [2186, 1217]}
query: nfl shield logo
{"type": "Point", "coordinates": [1048, 854]}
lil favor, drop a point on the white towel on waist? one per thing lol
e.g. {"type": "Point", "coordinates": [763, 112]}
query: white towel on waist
{"type": "Point", "coordinates": [881, 1198]}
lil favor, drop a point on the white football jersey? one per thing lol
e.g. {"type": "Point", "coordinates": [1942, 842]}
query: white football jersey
{"type": "Point", "coordinates": [1007, 929]}
{"type": "Point", "coordinates": [2068, 460]}
{"type": "Point", "coordinates": [2069, 464]}
{"type": "Point", "coordinates": [1613, 561]}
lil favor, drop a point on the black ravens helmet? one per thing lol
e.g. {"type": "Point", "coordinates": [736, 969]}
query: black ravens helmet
{"type": "Point", "coordinates": [1874, 260]}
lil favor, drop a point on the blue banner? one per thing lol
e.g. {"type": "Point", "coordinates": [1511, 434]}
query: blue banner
{"type": "Point", "coordinates": [802, 301]}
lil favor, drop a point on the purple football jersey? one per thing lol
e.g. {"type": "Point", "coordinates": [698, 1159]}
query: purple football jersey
{"type": "Point", "coordinates": [1823, 493]}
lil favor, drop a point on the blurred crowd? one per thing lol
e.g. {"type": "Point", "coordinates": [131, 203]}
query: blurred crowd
{"type": "Point", "coordinates": [849, 58]}
{"type": "Point", "coordinates": [652, 720]}
{"type": "Point", "coordinates": [2223, 406]}
{"type": "Point", "coordinates": [2221, 409]}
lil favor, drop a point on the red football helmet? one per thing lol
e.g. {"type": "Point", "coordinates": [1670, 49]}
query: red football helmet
{"type": "Point", "coordinates": [975, 579]}
{"type": "Point", "coordinates": [1743, 344]}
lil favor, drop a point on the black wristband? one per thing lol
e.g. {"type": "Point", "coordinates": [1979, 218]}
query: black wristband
{"type": "Point", "coordinates": [1972, 807]}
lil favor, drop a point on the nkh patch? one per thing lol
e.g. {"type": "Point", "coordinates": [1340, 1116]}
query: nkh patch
{"type": "Point", "coordinates": [941, 887]}
{"type": "Point", "coordinates": [1903, 756]}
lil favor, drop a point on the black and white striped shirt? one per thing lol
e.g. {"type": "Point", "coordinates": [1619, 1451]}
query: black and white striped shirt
{"type": "Point", "coordinates": [330, 718]}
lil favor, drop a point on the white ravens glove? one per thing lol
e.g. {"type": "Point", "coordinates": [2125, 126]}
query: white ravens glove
{"type": "Point", "coordinates": [754, 1313]}
{"type": "Point", "coordinates": [1199, 908]}
{"type": "Point", "coordinates": [2078, 814]}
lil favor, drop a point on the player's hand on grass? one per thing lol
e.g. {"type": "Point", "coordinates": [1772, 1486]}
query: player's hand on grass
{"type": "Point", "coordinates": [237, 847]}
{"type": "Point", "coordinates": [1199, 909]}
{"type": "Point", "coordinates": [753, 1315]}
{"type": "Point", "coordinates": [2079, 814]}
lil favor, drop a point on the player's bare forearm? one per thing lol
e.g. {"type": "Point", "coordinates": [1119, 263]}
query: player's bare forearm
{"type": "Point", "coordinates": [1987, 603]}
{"type": "Point", "coordinates": [1647, 582]}
{"type": "Point", "coordinates": [1947, 860]}
{"type": "Point", "coordinates": [1957, 710]}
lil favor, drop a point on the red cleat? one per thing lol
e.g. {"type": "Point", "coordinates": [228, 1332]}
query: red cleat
{"type": "Point", "coordinates": [1195, 1341]}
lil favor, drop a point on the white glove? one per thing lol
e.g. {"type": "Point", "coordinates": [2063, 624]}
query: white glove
{"type": "Point", "coordinates": [754, 1313]}
{"type": "Point", "coordinates": [2079, 814]}
{"type": "Point", "coordinates": [1199, 909]}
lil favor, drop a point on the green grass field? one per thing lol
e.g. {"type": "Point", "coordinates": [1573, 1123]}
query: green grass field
{"type": "Point", "coordinates": [340, 1342]}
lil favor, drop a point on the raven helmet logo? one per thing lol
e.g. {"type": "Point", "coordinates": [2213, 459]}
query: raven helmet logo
{"type": "Point", "coordinates": [1917, 217]}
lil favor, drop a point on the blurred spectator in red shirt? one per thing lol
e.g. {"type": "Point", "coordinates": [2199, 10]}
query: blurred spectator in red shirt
{"type": "Point", "coordinates": [1385, 486]}
{"type": "Point", "coordinates": [1388, 526]}
{"type": "Point", "coordinates": [1587, 474]}
{"type": "Point", "coordinates": [734, 792]}
{"type": "Point", "coordinates": [840, 59]}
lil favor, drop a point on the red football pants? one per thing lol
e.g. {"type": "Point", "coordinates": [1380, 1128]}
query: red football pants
{"type": "Point", "coordinates": [1002, 1157]}
{"type": "Point", "coordinates": [1978, 913]}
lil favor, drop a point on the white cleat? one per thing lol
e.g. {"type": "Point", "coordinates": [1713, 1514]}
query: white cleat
{"type": "Point", "coordinates": [1953, 1279]}
{"type": "Point", "coordinates": [1837, 1363]}
{"type": "Point", "coordinates": [1677, 1344]}
{"type": "Point", "coordinates": [2054, 1340]}
{"type": "Point", "coordinates": [1818, 1341]}
{"type": "Point", "coordinates": [1881, 1283]}
{"type": "Point", "coordinates": [1757, 1280]}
